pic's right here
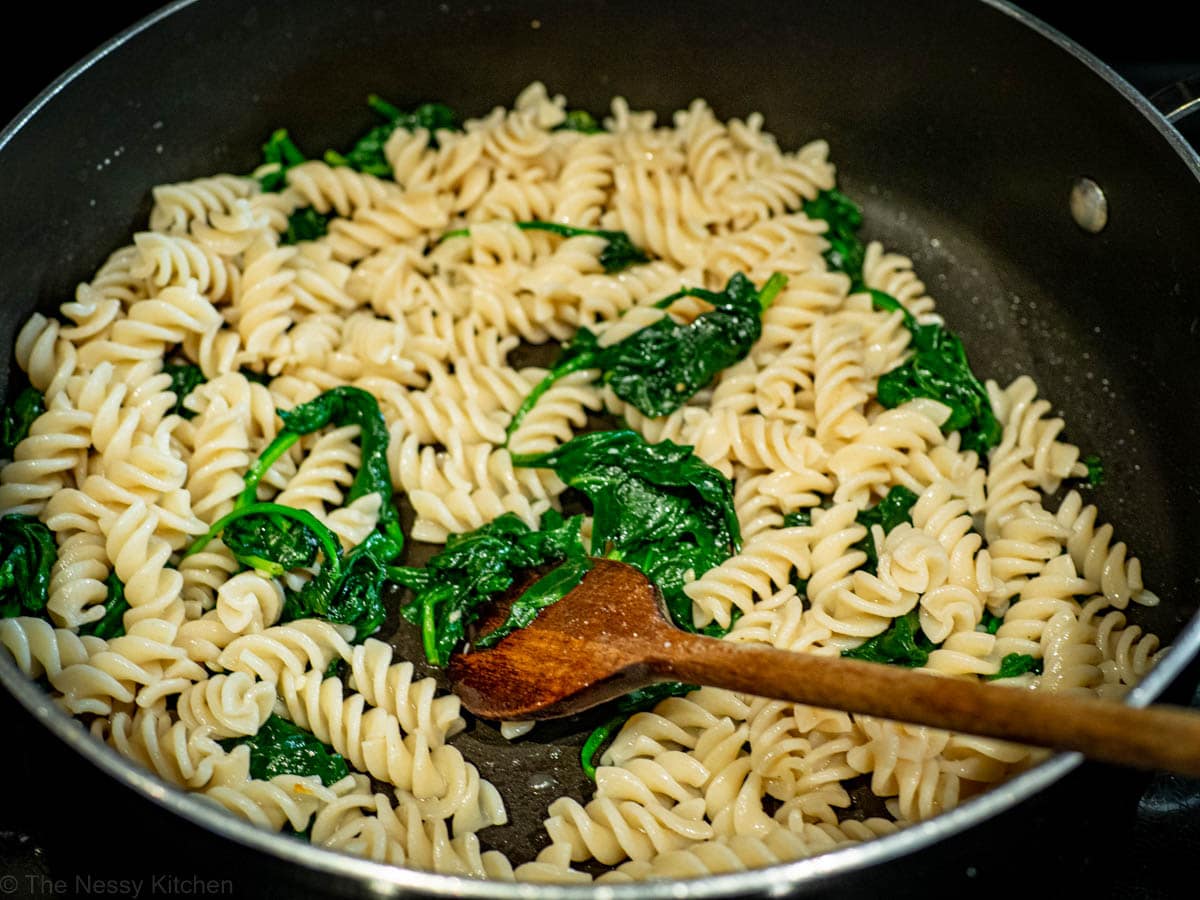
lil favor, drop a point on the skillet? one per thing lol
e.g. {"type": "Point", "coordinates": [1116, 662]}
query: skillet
{"type": "Point", "coordinates": [969, 178]}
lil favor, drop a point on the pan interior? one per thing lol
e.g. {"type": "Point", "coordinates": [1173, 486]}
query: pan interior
{"type": "Point", "coordinates": [960, 158]}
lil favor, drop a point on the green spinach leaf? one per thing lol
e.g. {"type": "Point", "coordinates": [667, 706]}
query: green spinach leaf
{"type": "Point", "coordinates": [351, 594]}
{"type": "Point", "coordinates": [548, 589]}
{"type": "Point", "coordinates": [451, 591]}
{"type": "Point", "coordinates": [660, 367]}
{"type": "Point", "coordinates": [18, 417]}
{"type": "Point", "coordinates": [112, 623]}
{"type": "Point", "coordinates": [843, 218]}
{"type": "Point", "coordinates": [938, 368]}
{"type": "Point", "coordinates": [991, 623]}
{"type": "Point", "coordinates": [280, 153]}
{"type": "Point", "coordinates": [889, 512]}
{"type": "Point", "coordinates": [27, 554]}
{"type": "Point", "coordinates": [276, 539]}
{"type": "Point", "coordinates": [367, 154]}
{"type": "Point", "coordinates": [903, 644]}
{"type": "Point", "coordinates": [339, 407]}
{"type": "Point", "coordinates": [283, 748]}
{"type": "Point", "coordinates": [185, 378]}
{"type": "Point", "coordinates": [655, 506]}
{"type": "Point", "coordinates": [580, 120]}
{"type": "Point", "coordinates": [306, 225]}
{"type": "Point", "coordinates": [1016, 664]}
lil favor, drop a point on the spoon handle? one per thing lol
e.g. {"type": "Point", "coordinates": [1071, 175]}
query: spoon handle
{"type": "Point", "coordinates": [1160, 737]}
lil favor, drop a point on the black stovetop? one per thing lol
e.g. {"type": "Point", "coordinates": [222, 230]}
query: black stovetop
{"type": "Point", "coordinates": [1106, 832]}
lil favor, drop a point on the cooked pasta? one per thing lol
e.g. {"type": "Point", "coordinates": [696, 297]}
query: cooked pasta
{"type": "Point", "coordinates": [419, 288]}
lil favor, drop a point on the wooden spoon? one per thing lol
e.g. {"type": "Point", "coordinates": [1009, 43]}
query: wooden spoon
{"type": "Point", "coordinates": [610, 636]}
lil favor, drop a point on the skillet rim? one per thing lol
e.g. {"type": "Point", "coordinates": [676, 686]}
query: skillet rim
{"type": "Point", "coordinates": [382, 879]}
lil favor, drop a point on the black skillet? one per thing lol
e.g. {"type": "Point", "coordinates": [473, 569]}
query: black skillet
{"type": "Point", "coordinates": [964, 160]}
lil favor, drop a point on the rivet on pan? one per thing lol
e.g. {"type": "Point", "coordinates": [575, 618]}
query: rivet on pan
{"type": "Point", "coordinates": [1089, 206]}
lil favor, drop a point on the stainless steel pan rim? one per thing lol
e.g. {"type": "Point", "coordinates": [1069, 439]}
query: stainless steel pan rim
{"type": "Point", "coordinates": [383, 880]}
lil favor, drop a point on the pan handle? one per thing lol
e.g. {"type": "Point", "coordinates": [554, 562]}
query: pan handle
{"type": "Point", "coordinates": [1179, 100]}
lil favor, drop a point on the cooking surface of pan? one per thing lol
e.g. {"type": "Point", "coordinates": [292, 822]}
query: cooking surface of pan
{"type": "Point", "coordinates": [965, 165]}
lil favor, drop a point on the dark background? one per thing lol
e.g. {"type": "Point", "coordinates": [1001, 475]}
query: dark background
{"type": "Point", "coordinates": [1103, 831]}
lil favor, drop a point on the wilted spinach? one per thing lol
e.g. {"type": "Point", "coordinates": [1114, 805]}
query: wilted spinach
{"type": "Point", "coordinates": [18, 416]}
{"type": "Point", "coordinates": [658, 368]}
{"type": "Point", "coordinates": [843, 218]}
{"type": "Point", "coordinates": [657, 507]}
{"type": "Point", "coordinates": [367, 154]}
{"type": "Point", "coordinates": [276, 539]}
{"type": "Point", "coordinates": [353, 594]}
{"type": "Point", "coordinates": [903, 644]}
{"type": "Point", "coordinates": [340, 406]}
{"type": "Point", "coordinates": [580, 120]}
{"type": "Point", "coordinates": [889, 512]}
{"type": "Point", "coordinates": [938, 369]}
{"type": "Point", "coordinates": [185, 378]}
{"type": "Point", "coordinates": [1016, 664]}
{"type": "Point", "coordinates": [454, 587]}
{"type": "Point", "coordinates": [27, 554]}
{"type": "Point", "coordinates": [281, 747]}
{"type": "Point", "coordinates": [306, 225]}
{"type": "Point", "coordinates": [281, 153]}
{"type": "Point", "coordinates": [112, 623]}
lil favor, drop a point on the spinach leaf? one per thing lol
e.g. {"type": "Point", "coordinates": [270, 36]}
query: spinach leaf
{"type": "Point", "coordinates": [843, 218]}
{"type": "Point", "coordinates": [1095, 470]}
{"type": "Point", "coordinates": [903, 644]}
{"type": "Point", "coordinates": [991, 623]}
{"type": "Point", "coordinates": [367, 153]}
{"type": "Point", "coordinates": [938, 369]}
{"type": "Point", "coordinates": [339, 406]}
{"type": "Point", "coordinates": [276, 539]}
{"type": "Point", "coordinates": [791, 520]}
{"type": "Point", "coordinates": [112, 623]}
{"type": "Point", "coordinates": [27, 554]}
{"type": "Point", "coordinates": [635, 702]}
{"type": "Point", "coordinates": [283, 748]}
{"type": "Point", "coordinates": [889, 512]}
{"type": "Point", "coordinates": [185, 378]}
{"type": "Point", "coordinates": [306, 225]}
{"type": "Point", "coordinates": [619, 252]}
{"type": "Point", "coordinates": [273, 538]}
{"type": "Point", "coordinates": [18, 416]}
{"type": "Point", "coordinates": [351, 594]}
{"type": "Point", "coordinates": [655, 506]}
{"type": "Point", "coordinates": [451, 591]}
{"type": "Point", "coordinates": [1016, 664]}
{"type": "Point", "coordinates": [580, 120]}
{"type": "Point", "coordinates": [255, 377]}
{"type": "Point", "coordinates": [548, 589]}
{"type": "Point", "coordinates": [281, 153]}
{"type": "Point", "coordinates": [660, 367]}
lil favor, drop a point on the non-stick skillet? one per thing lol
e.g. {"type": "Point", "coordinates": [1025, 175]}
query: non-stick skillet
{"type": "Point", "coordinates": [962, 140]}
